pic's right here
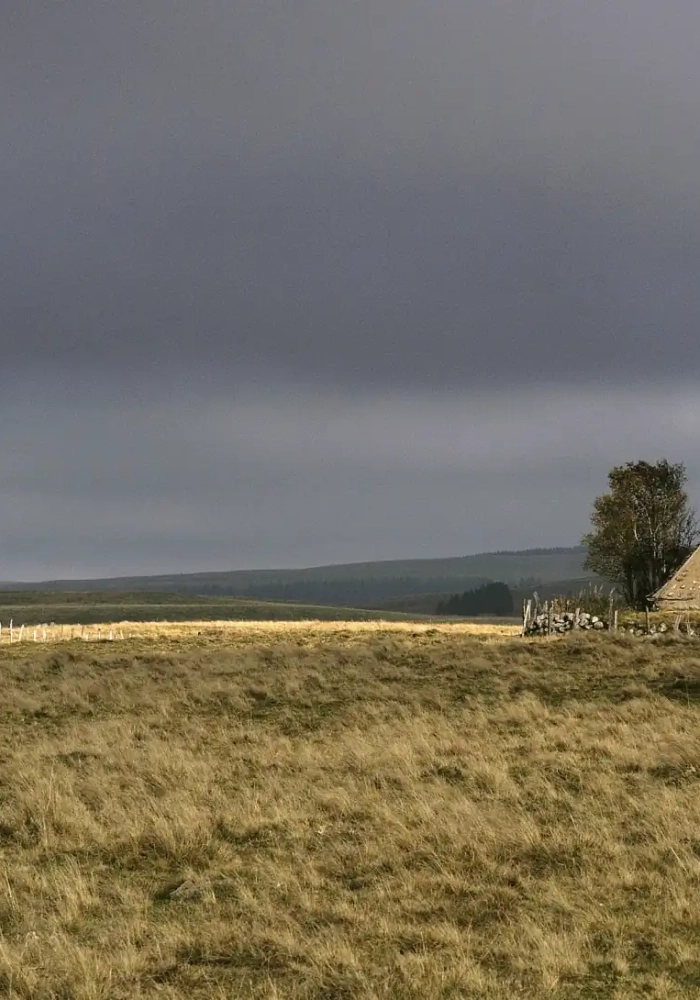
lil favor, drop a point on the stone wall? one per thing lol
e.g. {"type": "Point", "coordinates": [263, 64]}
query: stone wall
{"type": "Point", "coordinates": [550, 623]}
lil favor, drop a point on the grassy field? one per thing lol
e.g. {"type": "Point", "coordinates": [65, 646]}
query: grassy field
{"type": "Point", "coordinates": [338, 811]}
{"type": "Point", "coordinates": [37, 608]}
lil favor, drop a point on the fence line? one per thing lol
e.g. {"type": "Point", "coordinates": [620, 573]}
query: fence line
{"type": "Point", "coordinates": [51, 632]}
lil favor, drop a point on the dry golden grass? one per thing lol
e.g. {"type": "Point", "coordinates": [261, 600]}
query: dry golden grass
{"type": "Point", "coordinates": [330, 813]}
{"type": "Point", "coordinates": [252, 631]}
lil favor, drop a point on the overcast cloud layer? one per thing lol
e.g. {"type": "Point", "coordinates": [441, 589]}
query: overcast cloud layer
{"type": "Point", "coordinates": [291, 283]}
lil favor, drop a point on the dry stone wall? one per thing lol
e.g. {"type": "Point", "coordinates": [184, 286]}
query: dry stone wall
{"type": "Point", "coordinates": [548, 623]}
{"type": "Point", "coordinates": [555, 624]}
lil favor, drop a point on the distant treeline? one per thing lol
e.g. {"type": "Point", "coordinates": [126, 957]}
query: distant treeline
{"type": "Point", "coordinates": [490, 599]}
{"type": "Point", "coordinates": [351, 593]}
{"type": "Point", "coordinates": [556, 550]}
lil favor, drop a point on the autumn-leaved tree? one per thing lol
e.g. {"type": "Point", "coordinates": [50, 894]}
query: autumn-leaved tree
{"type": "Point", "coordinates": [643, 528]}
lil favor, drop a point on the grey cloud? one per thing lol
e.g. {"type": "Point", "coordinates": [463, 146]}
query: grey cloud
{"type": "Point", "coordinates": [299, 282]}
{"type": "Point", "coordinates": [400, 194]}
{"type": "Point", "coordinates": [270, 482]}
{"type": "Point", "coordinates": [358, 281]}
{"type": "Point", "coordinates": [567, 87]}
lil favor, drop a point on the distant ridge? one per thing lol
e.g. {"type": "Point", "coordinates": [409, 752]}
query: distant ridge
{"type": "Point", "coordinates": [360, 584]}
{"type": "Point", "coordinates": [574, 550]}
{"type": "Point", "coordinates": [567, 549]}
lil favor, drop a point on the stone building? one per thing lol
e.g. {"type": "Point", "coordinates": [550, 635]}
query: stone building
{"type": "Point", "coordinates": [682, 591]}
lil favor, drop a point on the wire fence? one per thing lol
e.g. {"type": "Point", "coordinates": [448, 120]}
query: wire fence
{"type": "Point", "coordinates": [51, 632]}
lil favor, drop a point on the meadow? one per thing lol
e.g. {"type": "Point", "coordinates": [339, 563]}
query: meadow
{"type": "Point", "coordinates": [331, 811]}
{"type": "Point", "coordinates": [34, 608]}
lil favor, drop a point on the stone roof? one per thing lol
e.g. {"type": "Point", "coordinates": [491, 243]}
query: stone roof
{"type": "Point", "coordinates": [684, 586]}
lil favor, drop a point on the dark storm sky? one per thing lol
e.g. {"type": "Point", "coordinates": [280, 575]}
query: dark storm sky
{"type": "Point", "coordinates": [287, 283]}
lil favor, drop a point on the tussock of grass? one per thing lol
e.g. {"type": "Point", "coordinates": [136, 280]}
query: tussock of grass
{"type": "Point", "coordinates": [346, 813]}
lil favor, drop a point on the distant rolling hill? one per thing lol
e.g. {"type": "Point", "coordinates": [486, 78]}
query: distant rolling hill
{"type": "Point", "coordinates": [360, 585]}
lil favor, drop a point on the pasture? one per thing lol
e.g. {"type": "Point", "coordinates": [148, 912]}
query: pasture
{"type": "Point", "coordinates": [331, 811]}
{"type": "Point", "coordinates": [37, 608]}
